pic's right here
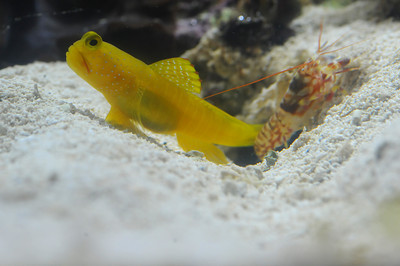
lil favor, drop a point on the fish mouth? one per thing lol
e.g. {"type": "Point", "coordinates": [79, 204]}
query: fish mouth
{"type": "Point", "coordinates": [75, 59]}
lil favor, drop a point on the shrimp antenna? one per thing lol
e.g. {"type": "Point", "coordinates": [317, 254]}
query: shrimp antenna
{"type": "Point", "coordinates": [341, 48]}
{"type": "Point", "coordinates": [321, 51]}
{"type": "Point", "coordinates": [322, 48]}
{"type": "Point", "coordinates": [258, 80]}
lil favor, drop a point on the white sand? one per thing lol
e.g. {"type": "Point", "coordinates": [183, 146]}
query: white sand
{"type": "Point", "coordinates": [74, 190]}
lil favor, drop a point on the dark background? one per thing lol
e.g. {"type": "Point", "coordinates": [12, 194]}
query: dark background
{"type": "Point", "coordinates": [150, 29]}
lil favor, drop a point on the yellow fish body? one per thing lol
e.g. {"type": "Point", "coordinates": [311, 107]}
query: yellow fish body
{"type": "Point", "coordinates": [159, 97]}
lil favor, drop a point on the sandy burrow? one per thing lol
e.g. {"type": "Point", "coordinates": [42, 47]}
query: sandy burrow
{"type": "Point", "coordinates": [73, 189]}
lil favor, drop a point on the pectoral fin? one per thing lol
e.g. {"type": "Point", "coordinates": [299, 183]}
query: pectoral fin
{"type": "Point", "coordinates": [211, 152]}
{"type": "Point", "coordinates": [119, 120]}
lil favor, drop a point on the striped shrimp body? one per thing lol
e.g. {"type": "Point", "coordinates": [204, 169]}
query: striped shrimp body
{"type": "Point", "coordinates": [313, 84]}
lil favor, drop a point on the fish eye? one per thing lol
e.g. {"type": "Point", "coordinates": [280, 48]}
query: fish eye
{"type": "Point", "coordinates": [92, 40]}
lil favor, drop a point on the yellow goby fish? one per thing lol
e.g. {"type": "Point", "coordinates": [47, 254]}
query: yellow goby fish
{"type": "Point", "coordinates": [158, 97]}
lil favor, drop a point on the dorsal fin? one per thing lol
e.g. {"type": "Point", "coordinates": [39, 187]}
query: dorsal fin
{"type": "Point", "coordinates": [180, 72]}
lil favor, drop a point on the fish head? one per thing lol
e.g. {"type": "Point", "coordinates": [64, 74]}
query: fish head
{"type": "Point", "coordinates": [81, 55]}
{"type": "Point", "coordinates": [92, 59]}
